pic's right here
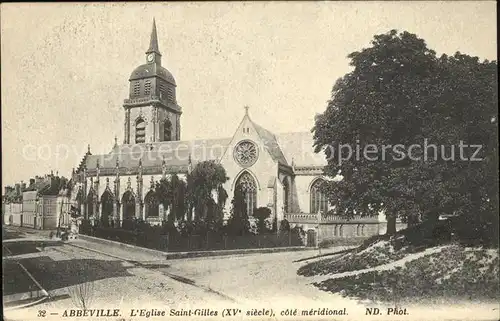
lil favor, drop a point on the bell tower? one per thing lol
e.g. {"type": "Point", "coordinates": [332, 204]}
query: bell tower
{"type": "Point", "coordinates": [151, 111]}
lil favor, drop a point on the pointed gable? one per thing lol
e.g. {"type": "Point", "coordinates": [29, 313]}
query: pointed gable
{"type": "Point", "coordinates": [267, 138]}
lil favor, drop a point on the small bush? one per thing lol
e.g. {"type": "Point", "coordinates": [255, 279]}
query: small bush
{"type": "Point", "coordinates": [262, 214]}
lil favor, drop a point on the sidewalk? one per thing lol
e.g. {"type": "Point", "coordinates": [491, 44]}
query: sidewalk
{"type": "Point", "coordinates": [109, 246]}
{"type": "Point", "coordinates": [125, 253]}
{"type": "Point", "coordinates": [10, 232]}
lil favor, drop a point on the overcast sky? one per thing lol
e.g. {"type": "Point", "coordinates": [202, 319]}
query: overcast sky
{"type": "Point", "coordinates": [65, 67]}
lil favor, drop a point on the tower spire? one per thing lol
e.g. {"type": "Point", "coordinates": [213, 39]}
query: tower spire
{"type": "Point", "coordinates": [153, 42]}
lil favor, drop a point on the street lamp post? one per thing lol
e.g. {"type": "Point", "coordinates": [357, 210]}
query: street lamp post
{"type": "Point", "coordinates": [318, 229]}
{"type": "Point", "coordinates": [37, 203]}
{"type": "Point", "coordinates": [61, 212]}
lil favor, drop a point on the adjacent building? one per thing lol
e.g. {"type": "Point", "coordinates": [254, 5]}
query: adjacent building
{"type": "Point", "coordinates": [35, 206]}
{"type": "Point", "coordinates": [12, 204]}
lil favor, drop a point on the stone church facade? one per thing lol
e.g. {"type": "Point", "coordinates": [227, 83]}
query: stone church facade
{"type": "Point", "coordinates": [278, 171]}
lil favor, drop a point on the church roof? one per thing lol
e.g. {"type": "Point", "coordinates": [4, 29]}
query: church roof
{"type": "Point", "coordinates": [271, 144]}
{"type": "Point", "coordinates": [284, 148]}
{"type": "Point", "coordinates": [175, 153]}
{"type": "Point", "coordinates": [152, 70]}
{"type": "Point", "coordinates": [298, 146]}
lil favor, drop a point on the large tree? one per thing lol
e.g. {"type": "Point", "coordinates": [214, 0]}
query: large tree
{"type": "Point", "coordinates": [465, 113]}
{"type": "Point", "coordinates": [206, 195]}
{"type": "Point", "coordinates": [378, 103]}
{"type": "Point", "coordinates": [171, 194]}
{"type": "Point", "coordinates": [400, 93]}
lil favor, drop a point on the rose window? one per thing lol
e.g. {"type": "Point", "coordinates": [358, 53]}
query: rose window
{"type": "Point", "coordinates": [246, 153]}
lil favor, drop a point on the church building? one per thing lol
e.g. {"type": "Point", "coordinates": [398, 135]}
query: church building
{"type": "Point", "coordinates": [277, 171]}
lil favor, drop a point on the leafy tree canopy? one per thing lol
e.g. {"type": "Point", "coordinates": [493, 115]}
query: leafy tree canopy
{"type": "Point", "coordinates": [206, 180]}
{"type": "Point", "coordinates": [401, 93]}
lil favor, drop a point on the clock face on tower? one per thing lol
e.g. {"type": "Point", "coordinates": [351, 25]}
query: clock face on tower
{"type": "Point", "coordinates": [151, 57]}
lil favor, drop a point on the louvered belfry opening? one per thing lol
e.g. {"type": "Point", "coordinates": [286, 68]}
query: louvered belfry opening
{"type": "Point", "coordinates": [140, 131]}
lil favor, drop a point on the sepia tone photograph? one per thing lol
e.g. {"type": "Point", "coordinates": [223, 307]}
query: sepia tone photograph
{"type": "Point", "coordinates": [250, 160]}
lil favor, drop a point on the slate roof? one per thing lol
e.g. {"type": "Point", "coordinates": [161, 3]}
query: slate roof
{"type": "Point", "coordinates": [299, 147]}
{"type": "Point", "coordinates": [40, 186]}
{"type": "Point", "coordinates": [271, 144]}
{"type": "Point", "coordinates": [283, 148]}
{"type": "Point", "coordinates": [12, 196]}
{"type": "Point", "coordinates": [175, 153]}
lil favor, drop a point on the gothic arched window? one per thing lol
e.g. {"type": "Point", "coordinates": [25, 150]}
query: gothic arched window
{"type": "Point", "coordinates": [151, 202]}
{"type": "Point", "coordinates": [167, 130]}
{"type": "Point", "coordinates": [249, 189]}
{"type": "Point", "coordinates": [319, 202]}
{"type": "Point", "coordinates": [91, 203]}
{"type": "Point", "coordinates": [140, 131]}
{"type": "Point", "coordinates": [128, 201]}
{"type": "Point", "coordinates": [107, 207]}
{"type": "Point", "coordinates": [286, 195]}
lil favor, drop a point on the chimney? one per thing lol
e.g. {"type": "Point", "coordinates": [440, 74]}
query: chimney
{"type": "Point", "coordinates": [18, 189]}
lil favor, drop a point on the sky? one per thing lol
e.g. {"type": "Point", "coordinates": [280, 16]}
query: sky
{"type": "Point", "coordinates": [65, 66]}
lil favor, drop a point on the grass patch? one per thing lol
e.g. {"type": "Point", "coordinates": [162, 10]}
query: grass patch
{"type": "Point", "coordinates": [15, 280]}
{"type": "Point", "coordinates": [379, 253]}
{"type": "Point", "coordinates": [453, 274]}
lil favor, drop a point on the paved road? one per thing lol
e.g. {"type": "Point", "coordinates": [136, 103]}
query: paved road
{"type": "Point", "coordinates": [115, 283]}
{"type": "Point", "coordinates": [246, 282]}
{"type": "Point", "coordinates": [249, 281]}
